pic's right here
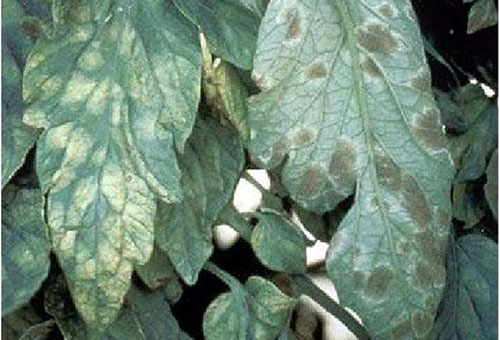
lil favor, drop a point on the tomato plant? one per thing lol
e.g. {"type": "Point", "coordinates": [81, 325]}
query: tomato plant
{"type": "Point", "coordinates": [127, 125]}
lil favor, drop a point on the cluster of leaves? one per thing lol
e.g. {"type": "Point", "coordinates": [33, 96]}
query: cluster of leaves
{"type": "Point", "coordinates": [142, 117]}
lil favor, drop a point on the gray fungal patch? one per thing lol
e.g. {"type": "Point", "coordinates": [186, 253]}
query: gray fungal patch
{"type": "Point", "coordinates": [376, 38]}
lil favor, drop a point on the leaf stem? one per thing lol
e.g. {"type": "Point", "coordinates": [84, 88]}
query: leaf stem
{"type": "Point", "coordinates": [229, 215]}
{"type": "Point", "coordinates": [253, 181]}
{"type": "Point", "coordinates": [225, 277]}
{"type": "Point", "coordinates": [307, 287]}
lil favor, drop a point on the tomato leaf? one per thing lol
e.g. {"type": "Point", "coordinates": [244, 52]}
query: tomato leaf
{"type": "Point", "coordinates": [114, 89]}
{"type": "Point", "coordinates": [470, 306]}
{"type": "Point", "coordinates": [279, 244]}
{"type": "Point", "coordinates": [482, 14]}
{"type": "Point", "coordinates": [230, 27]}
{"type": "Point", "coordinates": [491, 186]}
{"type": "Point", "coordinates": [25, 246]}
{"type": "Point", "coordinates": [211, 165]}
{"type": "Point", "coordinates": [346, 97]}
{"type": "Point", "coordinates": [17, 138]}
{"type": "Point", "coordinates": [258, 310]}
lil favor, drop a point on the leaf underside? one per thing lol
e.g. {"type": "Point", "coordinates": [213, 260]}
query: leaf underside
{"type": "Point", "coordinates": [346, 97]}
{"type": "Point", "coordinates": [116, 91]}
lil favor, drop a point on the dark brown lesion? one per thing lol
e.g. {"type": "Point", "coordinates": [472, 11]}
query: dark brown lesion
{"type": "Point", "coordinates": [378, 281]}
{"type": "Point", "coordinates": [422, 82]}
{"type": "Point", "coordinates": [294, 26]}
{"type": "Point", "coordinates": [428, 130]}
{"type": "Point", "coordinates": [386, 10]}
{"type": "Point", "coordinates": [415, 202]}
{"type": "Point", "coordinates": [343, 163]}
{"type": "Point", "coordinates": [304, 137]}
{"type": "Point", "coordinates": [423, 275]}
{"type": "Point", "coordinates": [313, 181]}
{"type": "Point", "coordinates": [402, 329]}
{"type": "Point", "coordinates": [376, 38]}
{"type": "Point", "coordinates": [370, 67]}
{"type": "Point", "coordinates": [316, 70]}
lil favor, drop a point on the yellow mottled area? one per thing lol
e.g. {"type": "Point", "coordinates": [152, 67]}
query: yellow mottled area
{"type": "Point", "coordinates": [113, 186]}
{"type": "Point", "coordinates": [91, 60]}
{"type": "Point", "coordinates": [77, 89]}
{"type": "Point", "coordinates": [35, 59]}
{"type": "Point", "coordinates": [86, 270]}
{"type": "Point", "coordinates": [78, 148]}
{"type": "Point", "coordinates": [52, 84]}
{"type": "Point", "coordinates": [57, 137]}
{"type": "Point", "coordinates": [66, 242]}
{"type": "Point", "coordinates": [35, 118]}
{"type": "Point", "coordinates": [98, 100]}
{"type": "Point", "coordinates": [61, 179]}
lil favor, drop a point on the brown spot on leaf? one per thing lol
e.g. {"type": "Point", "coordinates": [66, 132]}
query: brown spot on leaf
{"type": "Point", "coordinates": [402, 330]}
{"type": "Point", "coordinates": [376, 38]}
{"type": "Point", "coordinates": [293, 19]}
{"type": "Point", "coordinates": [371, 68]}
{"type": "Point", "coordinates": [415, 202]}
{"type": "Point", "coordinates": [358, 278]}
{"type": "Point", "coordinates": [428, 130]}
{"type": "Point", "coordinates": [388, 173]}
{"type": "Point", "coordinates": [378, 281]}
{"type": "Point", "coordinates": [279, 151]}
{"type": "Point", "coordinates": [304, 137]}
{"type": "Point", "coordinates": [343, 163]}
{"type": "Point", "coordinates": [386, 10]}
{"type": "Point", "coordinates": [422, 322]}
{"type": "Point", "coordinates": [316, 70]}
{"type": "Point", "coordinates": [432, 248]}
{"type": "Point", "coordinates": [313, 180]}
{"type": "Point", "coordinates": [422, 82]}
{"type": "Point", "coordinates": [423, 275]}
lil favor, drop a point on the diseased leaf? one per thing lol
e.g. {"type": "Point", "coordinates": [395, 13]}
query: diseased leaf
{"type": "Point", "coordinates": [346, 96]}
{"type": "Point", "coordinates": [229, 25]}
{"type": "Point", "coordinates": [279, 244]}
{"type": "Point", "coordinates": [470, 306]}
{"type": "Point", "coordinates": [17, 138]}
{"type": "Point", "coordinates": [491, 186]}
{"type": "Point", "coordinates": [25, 246]}
{"type": "Point", "coordinates": [259, 310]}
{"type": "Point", "coordinates": [113, 91]}
{"type": "Point", "coordinates": [16, 323]}
{"type": "Point", "coordinates": [482, 14]}
{"type": "Point", "coordinates": [159, 272]}
{"type": "Point", "coordinates": [211, 165]}
{"type": "Point", "coordinates": [144, 316]}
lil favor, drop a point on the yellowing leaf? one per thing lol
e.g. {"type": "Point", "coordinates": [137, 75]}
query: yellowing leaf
{"type": "Point", "coordinates": [114, 89]}
{"type": "Point", "coordinates": [346, 97]}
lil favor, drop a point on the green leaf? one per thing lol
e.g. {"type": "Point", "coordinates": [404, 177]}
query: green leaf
{"type": "Point", "coordinates": [482, 14]}
{"type": "Point", "coordinates": [346, 96]}
{"type": "Point", "coordinates": [17, 138]}
{"type": "Point", "coordinates": [16, 323]}
{"type": "Point", "coordinates": [211, 165]}
{"type": "Point", "coordinates": [144, 316]}
{"type": "Point", "coordinates": [113, 91]}
{"type": "Point", "coordinates": [472, 115]}
{"type": "Point", "coordinates": [468, 205]}
{"type": "Point", "coordinates": [491, 186]}
{"type": "Point", "coordinates": [230, 27]}
{"type": "Point", "coordinates": [279, 244]}
{"type": "Point", "coordinates": [470, 306]}
{"type": "Point", "coordinates": [25, 246]}
{"type": "Point", "coordinates": [259, 310]}
{"type": "Point", "coordinates": [159, 272]}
